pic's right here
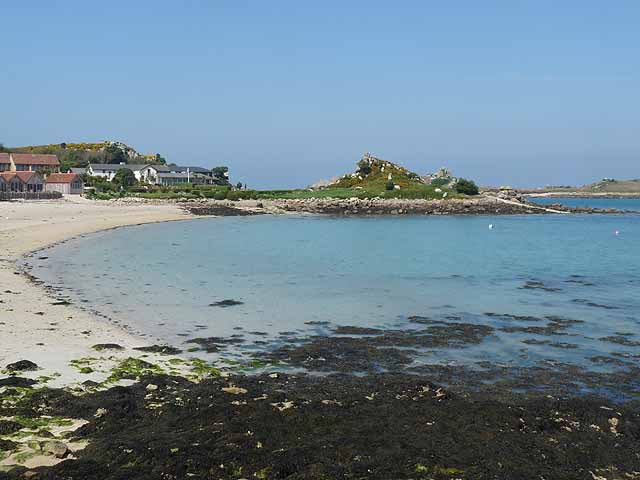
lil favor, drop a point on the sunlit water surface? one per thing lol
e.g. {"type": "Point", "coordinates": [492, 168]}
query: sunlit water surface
{"type": "Point", "coordinates": [160, 280]}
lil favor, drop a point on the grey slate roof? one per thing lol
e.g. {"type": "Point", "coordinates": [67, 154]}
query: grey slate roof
{"type": "Point", "coordinates": [114, 167]}
{"type": "Point", "coordinates": [191, 169]}
{"type": "Point", "coordinates": [160, 168]}
{"type": "Point", "coordinates": [78, 171]}
{"type": "Point", "coordinates": [172, 175]}
{"type": "Point", "coordinates": [179, 175]}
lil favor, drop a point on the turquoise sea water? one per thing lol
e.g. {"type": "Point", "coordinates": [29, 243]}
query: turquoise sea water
{"type": "Point", "coordinates": [160, 280]}
{"type": "Point", "coordinates": [630, 204]}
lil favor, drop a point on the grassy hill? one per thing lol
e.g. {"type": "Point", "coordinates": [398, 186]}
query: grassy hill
{"type": "Point", "coordinates": [375, 177]}
{"type": "Point", "coordinates": [605, 186]}
{"type": "Point", "coordinates": [80, 154]}
{"type": "Point", "coordinates": [613, 186]}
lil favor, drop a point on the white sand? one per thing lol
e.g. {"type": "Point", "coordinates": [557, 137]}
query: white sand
{"type": "Point", "coordinates": [31, 327]}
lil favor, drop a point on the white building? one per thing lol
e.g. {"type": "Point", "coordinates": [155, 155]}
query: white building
{"type": "Point", "coordinates": [157, 174]}
{"type": "Point", "coordinates": [108, 170]}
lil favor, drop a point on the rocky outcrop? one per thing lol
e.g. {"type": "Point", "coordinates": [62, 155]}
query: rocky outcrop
{"type": "Point", "coordinates": [364, 206]}
{"type": "Point", "coordinates": [358, 206]}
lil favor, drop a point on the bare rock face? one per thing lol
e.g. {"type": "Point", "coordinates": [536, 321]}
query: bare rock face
{"type": "Point", "coordinates": [55, 448]}
{"type": "Point", "coordinates": [508, 193]}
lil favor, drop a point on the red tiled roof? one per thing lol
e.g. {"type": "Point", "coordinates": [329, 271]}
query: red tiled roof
{"type": "Point", "coordinates": [62, 177]}
{"type": "Point", "coordinates": [4, 158]}
{"type": "Point", "coordinates": [23, 176]}
{"type": "Point", "coordinates": [35, 159]}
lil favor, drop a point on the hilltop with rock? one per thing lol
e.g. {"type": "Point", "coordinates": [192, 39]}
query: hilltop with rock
{"type": "Point", "coordinates": [386, 179]}
{"type": "Point", "coordinates": [80, 154]}
{"type": "Point", "coordinates": [376, 172]}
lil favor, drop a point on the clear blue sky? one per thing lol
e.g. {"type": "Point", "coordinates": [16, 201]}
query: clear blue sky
{"type": "Point", "coordinates": [288, 92]}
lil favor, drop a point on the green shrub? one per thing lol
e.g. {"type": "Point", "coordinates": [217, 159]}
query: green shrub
{"type": "Point", "coordinates": [466, 187]}
{"type": "Point", "coordinates": [389, 185]}
{"type": "Point", "coordinates": [138, 189]}
{"type": "Point", "coordinates": [242, 195]}
{"type": "Point", "coordinates": [440, 182]}
{"type": "Point", "coordinates": [125, 177]}
{"type": "Point", "coordinates": [105, 186]}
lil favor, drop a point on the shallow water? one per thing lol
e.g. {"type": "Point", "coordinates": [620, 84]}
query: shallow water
{"type": "Point", "coordinates": [161, 280]}
{"type": "Point", "coordinates": [626, 204]}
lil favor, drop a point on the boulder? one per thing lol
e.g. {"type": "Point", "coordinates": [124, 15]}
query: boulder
{"type": "Point", "coordinates": [107, 346]}
{"type": "Point", "coordinates": [22, 366]}
{"type": "Point", "coordinates": [7, 427]}
{"type": "Point", "coordinates": [17, 382]}
{"type": "Point", "coordinates": [55, 448]}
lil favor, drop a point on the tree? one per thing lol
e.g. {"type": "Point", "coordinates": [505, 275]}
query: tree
{"type": "Point", "coordinates": [160, 159]}
{"type": "Point", "coordinates": [364, 168]}
{"type": "Point", "coordinates": [389, 185]}
{"type": "Point", "coordinates": [69, 159]}
{"type": "Point", "coordinates": [2, 148]}
{"type": "Point", "coordinates": [220, 171]}
{"type": "Point", "coordinates": [221, 176]}
{"type": "Point", "coordinates": [466, 187]}
{"type": "Point", "coordinates": [239, 186]}
{"type": "Point", "coordinates": [125, 178]}
{"type": "Point", "coordinates": [114, 155]}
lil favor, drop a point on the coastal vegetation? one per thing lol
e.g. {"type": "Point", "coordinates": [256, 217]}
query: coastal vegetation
{"type": "Point", "coordinates": [78, 155]}
{"type": "Point", "coordinates": [604, 186]}
{"type": "Point", "coordinates": [108, 191]}
{"type": "Point", "coordinates": [373, 178]}
{"type": "Point", "coordinates": [125, 178]}
{"type": "Point", "coordinates": [466, 187]}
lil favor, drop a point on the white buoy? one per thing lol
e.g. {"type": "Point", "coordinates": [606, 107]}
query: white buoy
{"type": "Point", "coordinates": [617, 233]}
{"type": "Point", "coordinates": [491, 226]}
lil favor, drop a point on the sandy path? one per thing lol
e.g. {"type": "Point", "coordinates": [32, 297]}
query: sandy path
{"type": "Point", "coordinates": [527, 206]}
{"type": "Point", "coordinates": [30, 326]}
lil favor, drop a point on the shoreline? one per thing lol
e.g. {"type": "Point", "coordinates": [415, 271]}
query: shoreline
{"type": "Point", "coordinates": [482, 205]}
{"type": "Point", "coordinates": [59, 334]}
{"type": "Point", "coordinates": [130, 431]}
{"type": "Point", "coordinates": [574, 194]}
{"type": "Point", "coordinates": [38, 327]}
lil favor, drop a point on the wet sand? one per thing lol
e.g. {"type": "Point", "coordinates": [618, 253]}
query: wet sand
{"type": "Point", "coordinates": [32, 326]}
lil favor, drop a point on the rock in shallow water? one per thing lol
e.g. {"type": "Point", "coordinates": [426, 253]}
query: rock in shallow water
{"type": "Point", "coordinates": [22, 366]}
{"type": "Point", "coordinates": [161, 349]}
{"type": "Point", "coordinates": [17, 382]}
{"type": "Point", "coordinates": [107, 346]}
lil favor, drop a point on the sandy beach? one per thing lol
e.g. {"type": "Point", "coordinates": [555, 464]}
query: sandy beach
{"type": "Point", "coordinates": [32, 327]}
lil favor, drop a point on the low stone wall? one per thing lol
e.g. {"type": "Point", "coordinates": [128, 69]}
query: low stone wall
{"type": "Point", "coordinates": [7, 196]}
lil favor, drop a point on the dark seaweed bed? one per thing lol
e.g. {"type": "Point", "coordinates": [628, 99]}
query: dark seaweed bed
{"type": "Point", "coordinates": [281, 426]}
